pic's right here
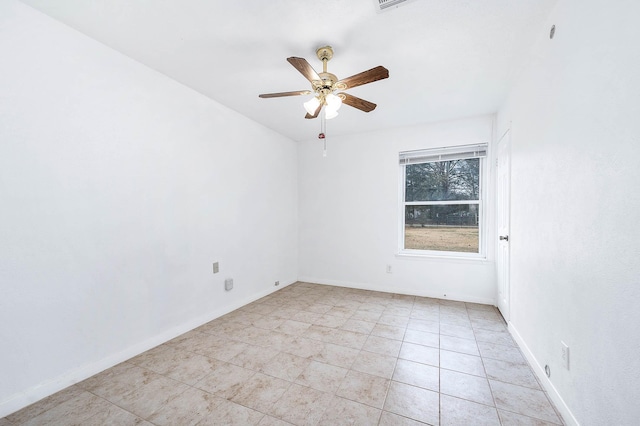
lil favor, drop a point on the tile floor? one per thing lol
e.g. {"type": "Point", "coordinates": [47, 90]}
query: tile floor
{"type": "Point", "coordinates": [318, 355]}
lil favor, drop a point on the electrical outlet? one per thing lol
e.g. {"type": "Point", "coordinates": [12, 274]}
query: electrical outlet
{"type": "Point", "coordinates": [389, 269]}
{"type": "Point", "coordinates": [277, 283]}
{"type": "Point", "coordinates": [216, 267]}
{"type": "Point", "coordinates": [565, 354]}
{"type": "Point", "coordinates": [228, 284]}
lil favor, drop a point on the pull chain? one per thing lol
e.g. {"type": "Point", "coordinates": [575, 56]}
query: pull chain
{"type": "Point", "coordinates": [323, 130]}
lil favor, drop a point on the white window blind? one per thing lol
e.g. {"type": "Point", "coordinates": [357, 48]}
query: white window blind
{"type": "Point", "coordinates": [443, 154]}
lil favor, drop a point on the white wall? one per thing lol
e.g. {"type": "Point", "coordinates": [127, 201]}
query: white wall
{"type": "Point", "coordinates": [575, 237]}
{"type": "Point", "coordinates": [118, 189]}
{"type": "Point", "coordinates": [349, 214]}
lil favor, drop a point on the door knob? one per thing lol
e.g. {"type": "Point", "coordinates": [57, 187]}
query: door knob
{"type": "Point", "coordinates": [504, 237]}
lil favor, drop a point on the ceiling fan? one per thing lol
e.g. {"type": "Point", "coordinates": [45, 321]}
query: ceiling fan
{"type": "Point", "coordinates": [324, 85]}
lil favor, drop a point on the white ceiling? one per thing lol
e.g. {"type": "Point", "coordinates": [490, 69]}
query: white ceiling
{"type": "Point", "coordinates": [446, 58]}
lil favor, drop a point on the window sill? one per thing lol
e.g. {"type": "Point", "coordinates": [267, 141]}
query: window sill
{"type": "Point", "coordinates": [479, 258]}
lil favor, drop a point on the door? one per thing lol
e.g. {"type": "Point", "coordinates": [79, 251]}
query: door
{"type": "Point", "coordinates": [503, 187]}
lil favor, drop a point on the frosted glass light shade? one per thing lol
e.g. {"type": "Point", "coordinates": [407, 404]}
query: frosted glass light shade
{"type": "Point", "coordinates": [333, 101]}
{"type": "Point", "coordinates": [312, 105]}
{"type": "Point", "coordinates": [330, 113]}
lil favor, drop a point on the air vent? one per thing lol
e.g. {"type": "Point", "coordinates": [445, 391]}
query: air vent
{"type": "Point", "coordinates": [385, 5]}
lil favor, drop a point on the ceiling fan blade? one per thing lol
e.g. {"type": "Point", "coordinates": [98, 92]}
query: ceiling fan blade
{"type": "Point", "coordinates": [369, 76]}
{"type": "Point", "coordinates": [305, 69]}
{"type": "Point", "coordinates": [315, 114]}
{"type": "Point", "coordinates": [278, 95]}
{"type": "Point", "coordinates": [356, 102]}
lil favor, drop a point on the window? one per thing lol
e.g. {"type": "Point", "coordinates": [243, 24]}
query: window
{"type": "Point", "coordinates": [442, 201]}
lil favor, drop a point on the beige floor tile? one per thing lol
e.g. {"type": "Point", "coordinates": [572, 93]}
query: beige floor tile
{"type": "Point", "coordinates": [115, 415]}
{"type": "Point", "coordinates": [364, 315]}
{"type": "Point", "coordinates": [521, 400]}
{"type": "Point", "coordinates": [388, 331]}
{"type": "Point", "coordinates": [512, 419]}
{"type": "Point", "coordinates": [373, 306]}
{"type": "Point", "coordinates": [417, 374]}
{"type": "Point", "coordinates": [395, 320]}
{"type": "Point", "coordinates": [428, 315]}
{"type": "Point", "coordinates": [514, 373]}
{"type": "Point", "coordinates": [391, 419]}
{"type": "Point", "coordinates": [463, 363]}
{"type": "Point", "coordinates": [223, 352]}
{"type": "Point", "coordinates": [457, 331]}
{"type": "Point", "coordinates": [244, 317]}
{"type": "Point", "coordinates": [301, 405]}
{"type": "Point", "coordinates": [422, 338]}
{"type": "Point", "coordinates": [488, 324]}
{"type": "Point", "coordinates": [148, 398]}
{"type": "Point", "coordinates": [284, 313]}
{"type": "Point", "coordinates": [465, 386]}
{"type": "Point", "coordinates": [456, 344]}
{"type": "Point", "coordinates": [186, 409]}
{"type": "Point", "coordinates": [323, 377]}
{"type": "Point", "coordinates": [251, 335]}
{"type": "Point", "coordinates": [262, 308]}
{"type": "Point", "coordinates": [74, 411]}
{"type": "Point", "coordinates": [498, 337]}
{"type": "Point", "coordinates": [186, 367]}
{"type": "Point", "coordinates": [158, 355]}
{"type": "Point", "coordinates": [480, 314]}
{"type": "Point", "coordinates": [455, 319]}
{"type": "Point", "coordinates": [419, 353]}
{"type": "Point", "coordinates": [231, 414]}
{"type": "Point", "coordinates": [225, 380]}
{"type": "Point", "coordinates": [260, 392]}
{"type": "Point", "coordinates": [424, 325]}
{"type": "Point", "coordinates": [459, 412]}
{"type": "Point", "coordinates": [331, 321]}
{"type": "Point", "coordinates": [346, 338]}
{"type": "Point", "coordinates": [403, 311]}
{"type": "Point", "coordinates": [5, 422]}
{"type": "Point", "coordinates": [272, 421]}
{"type": "Point", "coordinates": [318, 308]}
{"type": "Point", "coordinates": [268, 322]}
{"type": "Point", "coordinates": [364, 388]}
{"type": "Point", "coordinates": [285, 366]}
{"type": "Point", "coordinates": [413, 402]}
{"type": "Point", "coordinates": [293, 327]}
{"type": "Point", "coordinates": [114, 382]}
{"type": "Point", "coordinates": [254, 357]}
{"type": "Point", "coordinates": [193, 341]}
{"type": "Point", "coordinates": [340, 356]}
{"type": "Point", "coordinates": [382, 345]}
{"type": "Point", "coordinates": [375, 364]}
{"type": "Point", "coordinates": [318, 332]}
{"type": "Point", "coordinates": [304, 347]}
{"type": "Point", "coordinates": [306, 316]}
{"type": "Point", "coordinates": [345, 412]}
{"type": "Point", "coordinates": [358, 326]}
{"type": "Point", "coordinates": [45, 404]}
{"type": "Point", "coordinates": [501, 352]}
{"type": "Point", "coordinates": [340, 311]}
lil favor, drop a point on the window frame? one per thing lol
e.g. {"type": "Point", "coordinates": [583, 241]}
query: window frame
{"type": "Point", "coordinates": [449, 153]}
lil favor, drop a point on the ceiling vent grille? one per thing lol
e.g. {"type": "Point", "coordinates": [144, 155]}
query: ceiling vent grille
{"type": "Point", "coordinates": [384, 5]}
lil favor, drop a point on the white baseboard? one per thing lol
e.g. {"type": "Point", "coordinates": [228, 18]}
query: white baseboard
{"type": "Point", "coordinates": [400, 290]}
{"type": "Point", "coordinates": [551, 390]}
{"type": "Point", "coordinates": [22, 399]}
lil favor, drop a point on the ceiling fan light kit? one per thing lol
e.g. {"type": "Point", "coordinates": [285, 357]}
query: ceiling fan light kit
{"type": "Point", "coordinates": [327, 89]}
